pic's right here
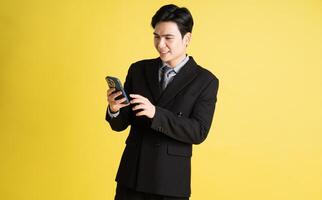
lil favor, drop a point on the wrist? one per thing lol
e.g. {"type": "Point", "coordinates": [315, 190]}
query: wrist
{"type": "Point", "coordinates": [112, 111]}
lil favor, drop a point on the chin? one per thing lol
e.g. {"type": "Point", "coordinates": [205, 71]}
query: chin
{"type": "Point", "coordinates": [165, 58]}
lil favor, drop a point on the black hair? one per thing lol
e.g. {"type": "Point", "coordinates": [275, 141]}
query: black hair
{"type": "Point", "coordinates": [172, 13]}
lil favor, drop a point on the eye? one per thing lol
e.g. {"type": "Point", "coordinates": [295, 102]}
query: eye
{"type": "Point", "coordinates": [169, 38]}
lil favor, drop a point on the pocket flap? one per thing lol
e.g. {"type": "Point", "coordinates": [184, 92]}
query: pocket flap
{"type": "Point", "coordinates": [180, 150]}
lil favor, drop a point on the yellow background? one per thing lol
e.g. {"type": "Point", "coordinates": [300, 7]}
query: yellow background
{"type": "Point", "coordinates": [266, 139]}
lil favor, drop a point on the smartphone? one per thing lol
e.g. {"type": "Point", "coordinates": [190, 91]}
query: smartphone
{"type": "Point", "coordinates": [114, 82]}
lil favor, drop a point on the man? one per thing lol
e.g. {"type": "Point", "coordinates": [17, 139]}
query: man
{"type": "Point", "coordinates": [172, 105]}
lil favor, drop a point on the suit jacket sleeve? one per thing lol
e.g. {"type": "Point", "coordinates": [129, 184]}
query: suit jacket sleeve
{"type": "Point", "coordinates": [124, 118]}
{"type": "Point", "coordinates": [194, 128]}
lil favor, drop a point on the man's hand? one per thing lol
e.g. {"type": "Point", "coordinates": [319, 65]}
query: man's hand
{"type": "Point", "coordinates": [115, 105]}
{"type": "Point", "coordinates": [143, 104]}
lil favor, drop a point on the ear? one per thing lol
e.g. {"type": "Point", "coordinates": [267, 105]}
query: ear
{"type": "Point", "coordinates": [187, 38]}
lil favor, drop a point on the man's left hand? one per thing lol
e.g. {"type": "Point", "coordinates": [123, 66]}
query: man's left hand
{"type": "Point", "coordinates": [143, 104]}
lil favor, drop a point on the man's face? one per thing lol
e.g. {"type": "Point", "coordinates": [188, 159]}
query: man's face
{"type": "Point", "coordinates": [169, 42]}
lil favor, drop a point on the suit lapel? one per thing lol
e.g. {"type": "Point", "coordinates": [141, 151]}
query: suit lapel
{"type": "Point", "coordinates": [182, 79]}
{"type": "Point", "coordinates": [152, 77]}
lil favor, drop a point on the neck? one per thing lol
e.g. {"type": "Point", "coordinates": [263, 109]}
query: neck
{"type": "Point", "coordinates": [175, 62]}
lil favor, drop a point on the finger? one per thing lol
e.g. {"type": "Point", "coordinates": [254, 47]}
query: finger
{"type": "Point", "coordinates": [120, 101]}
{"type": "Point", "coordinates": [141, 113]}
{"type": "Point", "coordinates": [137, 96]}
{"type": "Point", "coordinates": [116, 94]}
{"type": "Point", "coordinates": [118, 106]}
{"type": "Point", "coordinates": [112, 99]}
{"type": "Point", "coordinates": [110, 91]}
{"type": "Point", "coordinates": [124, 105]}
{"type": "Point", "coordinates": [138, 107]}
{"type": "Point", "coordinates": [140, 101]}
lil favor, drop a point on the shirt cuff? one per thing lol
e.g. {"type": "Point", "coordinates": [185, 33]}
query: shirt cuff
{"type": "Point", "coordinates": [112, 115]}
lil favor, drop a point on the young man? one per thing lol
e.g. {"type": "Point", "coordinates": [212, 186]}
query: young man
{"type": "Point", "coordinates": [172, 105]}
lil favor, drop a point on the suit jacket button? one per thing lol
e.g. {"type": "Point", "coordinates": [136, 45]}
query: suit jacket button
{"type": "Point", "coordinates": [179, 114]}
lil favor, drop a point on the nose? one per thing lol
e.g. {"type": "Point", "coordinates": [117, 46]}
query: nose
{"type": "Point", "coordinates": [161, 43]}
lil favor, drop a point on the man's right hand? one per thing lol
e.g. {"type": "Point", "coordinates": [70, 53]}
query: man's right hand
{"type": "Point", "coordinates": [115, 105]}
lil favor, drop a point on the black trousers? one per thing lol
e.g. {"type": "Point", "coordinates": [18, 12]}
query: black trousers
{"type": "Point", "coordinates": [123, 193]}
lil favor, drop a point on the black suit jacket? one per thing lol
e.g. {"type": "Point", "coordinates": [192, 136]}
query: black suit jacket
{"type": "Point", "coordinates": [157, 156]}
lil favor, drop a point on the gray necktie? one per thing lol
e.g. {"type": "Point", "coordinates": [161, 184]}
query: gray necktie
{"type": "Point", "coordinates": [165, 71]}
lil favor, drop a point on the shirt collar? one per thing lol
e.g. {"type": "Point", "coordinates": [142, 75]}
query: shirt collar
{"type": "Point", "coordinates": [179, 65]}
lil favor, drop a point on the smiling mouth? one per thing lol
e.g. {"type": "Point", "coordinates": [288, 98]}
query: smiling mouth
{"type": "Point", "coordinates": [164, 52]}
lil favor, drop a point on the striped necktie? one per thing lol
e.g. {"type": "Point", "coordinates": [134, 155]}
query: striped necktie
{"type": "Point", "coordinates": [165, 71]}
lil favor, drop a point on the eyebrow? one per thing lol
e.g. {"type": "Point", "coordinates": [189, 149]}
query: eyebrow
{"type": "Point", "coordinates": [165, 35]}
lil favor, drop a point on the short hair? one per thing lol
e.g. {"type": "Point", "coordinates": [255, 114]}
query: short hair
{"type": "Point", "coordinates": [172, 13]}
